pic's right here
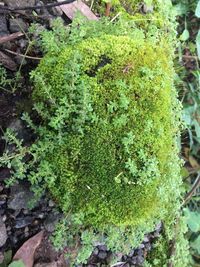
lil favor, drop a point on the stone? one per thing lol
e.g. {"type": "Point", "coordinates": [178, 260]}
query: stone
{"type": "Point", "coordinates": [102, 247]}
{"type": "Point", "coordinates": [134, 260]}
{"type": "Point", "coordinates": [57, 11]}
{"type": "Point", "coordinates": [147, 9]}
{"type": "Point", "coordinates": [96, 252]}
{"type": "Point", "coordinates": [102, 255]}
{"type": "Point", "coordinates": [148, 246]}
{"type": "Point", "coordinates": [51, 221]}
{"type": "Point", "coordinates": [3, 25]}
{"type": "Point", "coordinates": [51, 203]}
{"type": "Point", "coordinates": [19, 3]}
{"type": "Point", "coordinates": [141, 246]}
{"type": "Point", "coordinates": [23, 222]}
{"type": "Point", "coordinates": [146, 239]}
{"type": "Point", "coordinates": [3, 233]}
{"type": "Point", "coordinates": [140, 260]}
{"type": "Point", "coordinates": [20, 196]}
{"type": "Point", "coordinates": [17, 25]}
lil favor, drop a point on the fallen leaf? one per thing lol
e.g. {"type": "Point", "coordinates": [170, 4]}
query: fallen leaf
{"type": "Point", "coordinates": [27, 250]}
{"type": "Point", "coordinates": [71, 9]}
{"type": "Point", "coordinates": [10, 37]}
{"type": "Point", "coordinates": [17, 264]}
{"type": "Point", "coordinates": [193, 162]}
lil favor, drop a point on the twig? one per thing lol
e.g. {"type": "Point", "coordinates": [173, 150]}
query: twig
{"type": "Point", "coordinates": [194, 188]}
{"type": "Point", "coordinates": [92, 3]}
{"type": "Point", "coordinates": [11, 37]}
{"type": "Point", "coordinates": [118, 264]}
{"type": "Point", "coordinates": [189, 57]}
{"type": "Point", "coordinates": [115, 17]}
{"type": "Point", "coordinates": [5, 8]}
{"type": "Point", "coordinates": [22, 55]}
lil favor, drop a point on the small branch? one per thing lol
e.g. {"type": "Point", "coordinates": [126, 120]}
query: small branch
{"type": "Point", "coordinates": [21, 55]}
{"type": "Point", "coordinates": [194, 188]}
{"type": "Point", "coordinates": [11, 37]}
{"type": "Point", "coordinates": [115, 17]}
{"type": "Point", "coordinates": [121, 263]}
{"type": "Point", "coordinates": [190, 57]}
{"type": "Point", "coordinates": [5, 8]}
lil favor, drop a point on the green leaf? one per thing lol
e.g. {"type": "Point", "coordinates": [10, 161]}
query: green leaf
{"type": "Point", "coordinates": [18, 263]}
{"type": "Point", "coordinates": [196, 244]}
{"type": "Point", "coordinates": [197, 11]}
{"type": "Point", "coordinates": [7, 258]}
{"type": "Point", "coordinates": [185, 35]}
{"type": "Point", "coordinates": [198, 44]}
{"type": "Point", "coordinates": [193, 220]}
{"type": "Point", "coordinates": [197, 128]}
{"type": "Point", "coordinates": [181, 9]}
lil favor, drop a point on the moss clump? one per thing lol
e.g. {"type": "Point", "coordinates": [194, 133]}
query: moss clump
{"type": "Point", "coordinates": [106, 146]}
{"type": "Point", "coordinates": [117, 97]}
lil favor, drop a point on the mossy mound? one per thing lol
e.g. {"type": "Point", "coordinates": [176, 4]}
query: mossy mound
{"type": "Point", "coordinates": [106, 145]}
{"type": "Point", "coordinates": [112, 100]}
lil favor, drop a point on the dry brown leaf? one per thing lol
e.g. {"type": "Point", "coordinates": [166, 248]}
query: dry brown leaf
{"type": "Point", "coordinates": [10, 37]}
{"type": "Point", "coordinates": [27, 250]}
{"type": "Point", "coordinates": [71, 9]}
{"type": "Point", "coordinates": [193, 162]}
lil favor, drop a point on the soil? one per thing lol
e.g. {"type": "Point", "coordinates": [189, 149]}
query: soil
{"type": "Point", "coordinates": [18, 222]}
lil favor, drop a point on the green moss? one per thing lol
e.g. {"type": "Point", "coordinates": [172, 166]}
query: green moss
{"type": "Point", "coordinates": [106, 147]}
{"type": "Point", "coordinates": [119, 127]}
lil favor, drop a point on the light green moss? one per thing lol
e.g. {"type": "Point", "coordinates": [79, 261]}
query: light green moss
{"type": "Point", "coordinates": [119, 130]}
{"type": "Point", "coordinates": [106, 147]}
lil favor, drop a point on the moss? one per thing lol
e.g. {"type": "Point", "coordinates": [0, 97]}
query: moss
{"type": "Point", "coordinates": [121, 119]}
{"type": "Point", "coordinates": [106, 146]}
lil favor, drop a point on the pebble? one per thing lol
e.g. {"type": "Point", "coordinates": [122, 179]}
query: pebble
{"type": "Point", "coordinates": [95, 252]}
{"type": "Point", "coordinates": [146, 239]}
{"type": "Point", "coordinates": [19, 3]}
{"type": "Point", "coordinates": [51, 221]}
{"type": "Point", "coordinates": [134, 260]}
{"type": "Point", "coordinates": [17, 25]}
{"type": "Point", "coordinates": [3, 25]}
{"type": "Point", "coordinates": [4, 218]}
{"type": "Point", "coordinates": [148, 246]}
{"type": "Point", "coordinates": [147, 9]}
{"type": "Point", "coordinates": [23, 43]}
{"type": "Point", "coordinates": [23, 222]}
{"type": "Point", "coordinates": [140, 260]}
{"type": "Point", "coordinates": [51, 203]}
{"type": "Point", "coordinates": [19, 197]}
{"type": "Point", "coordinates": [141, 246]}
{"type": "Point", "coordinates": [2, 202]}
{"type": "Point", "coordinates": [102, 247]}
{"type": "Point", "coordinates": [3, 233]}
{"type": "Point", "coordinates": [102, 255]}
